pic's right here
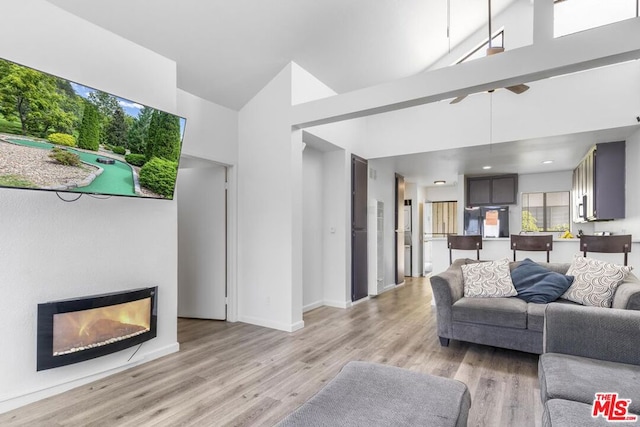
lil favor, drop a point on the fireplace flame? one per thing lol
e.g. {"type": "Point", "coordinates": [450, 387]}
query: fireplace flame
{"type": "Point", "coordinates": [80, 330]}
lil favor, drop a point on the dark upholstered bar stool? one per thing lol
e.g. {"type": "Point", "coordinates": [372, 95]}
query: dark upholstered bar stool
{"type": "Point", "coordinates": [467, 243]}
{"type": "Point", "coordinates": [520, 242]}
{"type": "Point", "coordinates": [606, 244]}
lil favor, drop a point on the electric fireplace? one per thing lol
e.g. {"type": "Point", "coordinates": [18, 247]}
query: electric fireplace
{"type": "Point", "coordinates": [73, 330]}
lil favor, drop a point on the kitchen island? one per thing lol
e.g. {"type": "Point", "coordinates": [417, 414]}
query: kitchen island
{"type": "Point", "coordinates": [500, 247]}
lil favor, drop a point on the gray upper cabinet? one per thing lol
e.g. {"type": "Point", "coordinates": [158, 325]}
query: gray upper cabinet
{"type": "Point", "coordinates": [478, 191]}
{"type": "Point", "coordinates": [492, 190]}
{"type": "Point", "coordinates": [599, 184]}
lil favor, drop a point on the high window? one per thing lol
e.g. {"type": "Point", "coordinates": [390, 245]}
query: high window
{"type": "Point", "coordinates": [571, 16]}
{"type": "Point", "coordinates": [545, 211]}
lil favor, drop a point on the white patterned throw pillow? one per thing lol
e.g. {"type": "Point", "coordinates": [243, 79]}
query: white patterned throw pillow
{"type": "Point", "coordinates": [595, 281]}
{"type": "Point", "coordinates": [488, 279]}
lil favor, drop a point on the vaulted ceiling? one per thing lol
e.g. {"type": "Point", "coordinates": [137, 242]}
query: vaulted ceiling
{"type": "Point", "coordinates": [226, 51]}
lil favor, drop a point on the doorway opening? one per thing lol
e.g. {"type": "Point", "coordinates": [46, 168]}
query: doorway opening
{"type": "Point", "coordinates": [202, 240]}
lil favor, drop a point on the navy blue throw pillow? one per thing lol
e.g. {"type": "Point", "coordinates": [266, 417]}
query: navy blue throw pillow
{"type": "Point", "coordinates": [538, 284]}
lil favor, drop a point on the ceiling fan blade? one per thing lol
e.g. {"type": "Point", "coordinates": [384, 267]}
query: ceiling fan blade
{"type": "Point", "coordinates": [518, 89]}
{"type": "Point", "coordinates": [458, 99]}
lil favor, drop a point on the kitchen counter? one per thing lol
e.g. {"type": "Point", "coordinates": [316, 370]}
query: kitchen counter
{"type": "Point", "coordinates": [497, 248]}
{"type": "Point", "coordinates": [490, 239]}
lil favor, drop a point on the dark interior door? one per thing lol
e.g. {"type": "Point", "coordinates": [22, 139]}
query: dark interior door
{"type": "Point", "coordinates": [399, 229]}
{"type": "Point", "coordinates": [359, 180]}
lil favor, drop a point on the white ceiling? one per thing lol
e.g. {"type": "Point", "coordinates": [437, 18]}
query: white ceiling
{"type": "Point", "coordinates": [523, 157]}
{"type": "Point", "coordinates": [227, 50]}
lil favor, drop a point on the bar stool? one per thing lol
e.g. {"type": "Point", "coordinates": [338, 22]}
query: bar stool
{"type": "Point", "coordinates": [467, 243]}
{"type": "Point", "coordinates": [606, 244]}
{"type": "Point", "coordinates": [540, 243]}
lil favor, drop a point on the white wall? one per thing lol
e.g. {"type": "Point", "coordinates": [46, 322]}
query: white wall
{"type": "Point", "coordinates": [336, 203]}
{"type": "Point", "coordinates": [517, 21]}
{"type": "Point", "coordinates": [52, 250]}
{"type": "Point", "coordinates": [62, 44]}
{"type": "Point", "coordinates": [267, 256]}
{"type": "Point", "coordinates": [350, 135]}
{"type": "Point", "coordinates": [551, 107]}
{"type": "Point", "coordinates": [332, 177]}
{"type": "Point", "coordinates": [442, 193]}
{"type": "Point", "coordinates": [312, 228]}
{"type": "Point", "coordinates": [211, 135]}
{"type": "Point", "coordinates": [212, 130]}
{"type": "Point", "coordinates": [305, 87]}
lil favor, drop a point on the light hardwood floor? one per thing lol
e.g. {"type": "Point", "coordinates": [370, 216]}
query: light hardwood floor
{"type": "Point", "coordinates": [242, 375]}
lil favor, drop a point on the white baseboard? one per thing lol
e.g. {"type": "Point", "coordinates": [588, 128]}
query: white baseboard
{"type": "Point", "coordinates": [361, 300]}
{"type": "Point", "coordinates": [337, 304]}
{"type": "Point", "coordinates": [388, 288]}
{"type": "Point", "coordinates": [286, 327]}
{"type": "Point", "coordinates": [35, 395]}
{"type": "Point", "coordinates": [312, 306]}
{"type": "Point", "coordinates": [297, 326]}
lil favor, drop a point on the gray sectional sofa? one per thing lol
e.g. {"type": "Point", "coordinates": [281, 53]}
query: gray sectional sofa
{"type": "Point", "coordinates": [503, 322]}
{"type": "Point", "coordinates": [372, 394]}
{"type": "Point", "coordinates": [588, 350]}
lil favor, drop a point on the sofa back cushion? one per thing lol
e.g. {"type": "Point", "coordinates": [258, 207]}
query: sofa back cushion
{"type": "Point", "coordinates": [538, 284]}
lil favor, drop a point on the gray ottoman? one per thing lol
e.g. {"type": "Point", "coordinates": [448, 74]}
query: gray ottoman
{"type": "Point", "coordinates": [567, 413]}
{"type": "Point", "coordinates": [369, 394]}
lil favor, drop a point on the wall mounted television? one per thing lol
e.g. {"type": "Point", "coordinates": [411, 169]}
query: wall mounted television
{"type": "Point", "coordinates": [58, 135]}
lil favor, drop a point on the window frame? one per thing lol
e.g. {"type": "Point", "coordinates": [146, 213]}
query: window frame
{"type": "Point", "coordinates": [545, 228]}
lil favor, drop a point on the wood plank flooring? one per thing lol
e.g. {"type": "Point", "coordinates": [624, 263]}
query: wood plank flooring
{"type": "Point", "coordinates": [235, 374]}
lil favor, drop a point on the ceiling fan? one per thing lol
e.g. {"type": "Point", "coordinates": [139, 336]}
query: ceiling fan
{"type": "Point", "coordinates": [492, 50]}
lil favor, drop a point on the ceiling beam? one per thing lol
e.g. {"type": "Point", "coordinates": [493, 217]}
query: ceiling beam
{"type": "Point", "coordinates": [594, 48]}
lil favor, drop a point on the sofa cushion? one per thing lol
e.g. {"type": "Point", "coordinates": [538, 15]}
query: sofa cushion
{"type": "Point", "coordinates": [371, 394]}
{"type": "Point", "coordinates": [507, 312]}
{"type": "Point", "coordinates": [538, 284]}
{"type": "Point", "coordinates": [566, 413]}
{"type": "Point", "coordinates": [535, 314]}
{"type": "Point", "coordinates": [578, 378]}
{"type": "Point", "coordinates": [595, 281]}
{"type": "Point", "coordinates": [490, 279]}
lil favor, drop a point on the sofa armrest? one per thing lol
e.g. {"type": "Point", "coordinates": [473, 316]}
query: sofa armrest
{"type": "Point", "coordinates": [448, 287]}
{"type": "Point", "coordinates": [628, 294]}
{"type": "Point", "coordinates": [599, 333]}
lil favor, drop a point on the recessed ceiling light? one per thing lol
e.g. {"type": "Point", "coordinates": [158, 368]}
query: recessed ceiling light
{"type": "Point", "coordinates": [547, 162]}
{"type": "Point", "coordinates": [486, 167]}
{"type": "Point", "coordinates": [440, 182]}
